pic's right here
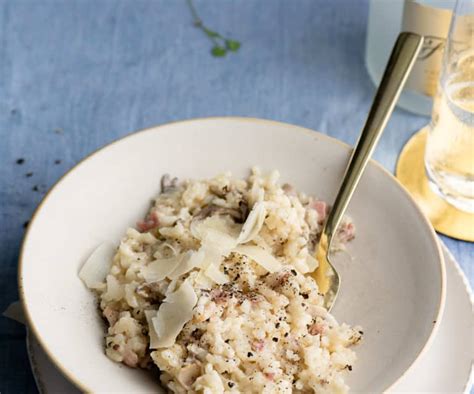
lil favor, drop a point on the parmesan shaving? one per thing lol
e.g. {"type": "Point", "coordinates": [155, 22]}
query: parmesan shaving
{"type": "Point", "coordinates": [257, 193]}
{"type": "Point", "coordinates": [210, 257]}
{"type": "Point", "coordinates": [218, 241]}
{"type": "Point", "coordinates": [130, 295]}
{"type": "Point", "coordinates": [175, 311]}
{"type": "Point", "coordinates": [216, 275]}
{"type": "Point", "coordinates": [260, 256]}
{"type": "Point", "coordinates": [253, 224]}
{"type": "Point", "coordinates": [97, 266]}
{"type": "Point", "coordinates": [115, 290]}
{"type": "Point", "coordinates": [199, 228]}
{"type": "Point", "coordinates": [216, 233]}
{"type": "Point", "coordinates": [171, 287]}
{"type": "Point", "coordinates": [150, 315]}
{"type": "Point", "coordinates": [203, 281]}
{"type": "Point", "coordinates": [190, 261]}
{"type": "Point", "coordinates": [170, 247]}
{"type": "Point", "coordinates": [160, 268]}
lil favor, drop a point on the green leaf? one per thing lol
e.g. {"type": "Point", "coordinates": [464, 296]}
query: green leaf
{"type": "Point", "coordinates": [218, 51]}
{"type": "Point", "coordinates": [221, 44]}
{"type": "Point", "coordinates": [211, 33]}
{"type": "Point", "coordinates": [232, 45]}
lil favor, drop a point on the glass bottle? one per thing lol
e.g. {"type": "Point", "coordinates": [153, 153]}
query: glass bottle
{"type": "Point", "coordinates": [429, 18]}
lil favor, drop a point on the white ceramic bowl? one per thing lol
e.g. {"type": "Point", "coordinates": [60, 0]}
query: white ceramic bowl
{"type": "Point", "coordinates": [394, 287]}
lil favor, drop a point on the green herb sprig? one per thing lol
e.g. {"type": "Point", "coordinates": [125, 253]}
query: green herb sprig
{"type": "Point", "coordinates": [221, 44]}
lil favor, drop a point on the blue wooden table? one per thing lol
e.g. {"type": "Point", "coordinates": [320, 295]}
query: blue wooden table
{"type": "Point", "coordinates": [77, 75]}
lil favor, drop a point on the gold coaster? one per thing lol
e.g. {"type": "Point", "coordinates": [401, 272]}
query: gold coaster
{"type": "Point", "coordinates": [445, 218]}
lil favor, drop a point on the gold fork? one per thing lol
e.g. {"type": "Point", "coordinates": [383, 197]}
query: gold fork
{"type": "Point", "coordinates": [396, 72]}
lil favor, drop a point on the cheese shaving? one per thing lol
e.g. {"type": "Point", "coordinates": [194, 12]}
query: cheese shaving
{"type": "Point", "coordinates": [260, 256]}
{"type": "Point", "coordinates": [150, 315]}
{"type": "Point", "coordinates": [171, 287]}
{"type": "Point", "coordinates": [175, 311]}
{"type": "Point", "coordinates": [190, 261]}
{"type": "Point", "coordinates": [218, 238]}
{"type": "Point", "coordinates": [97, 266]}
{"type": "Point", "coordinates": [211, 257]}
{"type": "Point", "coordinates": [253, 224]}
{"type": "Point", "coordinates": [203, 281]}
{"type": "Point", "coordinates": [218, 241]}
{"type": "Point", "coordinates": [130, 295]}
{"type": "Point", "coordinates": [159, 269]}
{"type": "Point", "coordinates": [115, 291]}
{"type": "Point", "coordinates": [213, 273]}
{"type": "Point", "coordinates": [215, 233]}
{"type": "Point", "coordinates": [217, 223]}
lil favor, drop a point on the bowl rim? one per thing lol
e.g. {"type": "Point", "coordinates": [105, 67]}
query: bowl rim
{"type": "Point", "coordinates": [80, 385]}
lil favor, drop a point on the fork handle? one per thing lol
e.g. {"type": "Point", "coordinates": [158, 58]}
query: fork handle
{"type": "Point", "coordinates": [399, 65]}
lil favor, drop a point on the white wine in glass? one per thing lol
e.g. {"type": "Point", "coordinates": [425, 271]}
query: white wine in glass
{"type": "Point", "coordinates": [449, 157]}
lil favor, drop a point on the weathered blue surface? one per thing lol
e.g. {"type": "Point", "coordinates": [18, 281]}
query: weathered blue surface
{"type": "Point", "coordinates": [75, 75]}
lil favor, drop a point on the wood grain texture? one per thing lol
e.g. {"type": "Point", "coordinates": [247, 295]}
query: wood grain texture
{"type": "Point", "coordinates": [77, 75]}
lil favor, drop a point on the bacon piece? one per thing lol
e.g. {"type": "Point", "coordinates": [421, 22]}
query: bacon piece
{"type": "Point", "coordinates": [151, 221]}
{"type": "Point", "coordinates": [258, 345]}
{"type": "Point", "coordinates": [315, 329]}
{"type": "Point", "coordinates": [130, 358]}
{"type": "Point", "coordinates": [346, 232]}
{"type": "Point", "coordinates": [321, 208]}
{"type": "Point", "coordinates": [270, 375]}
{"type": "Point", "coordinates": [111, 315]}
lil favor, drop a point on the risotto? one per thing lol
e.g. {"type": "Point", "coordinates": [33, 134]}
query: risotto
{"type": "Point", "coordinates": [211, 288]}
